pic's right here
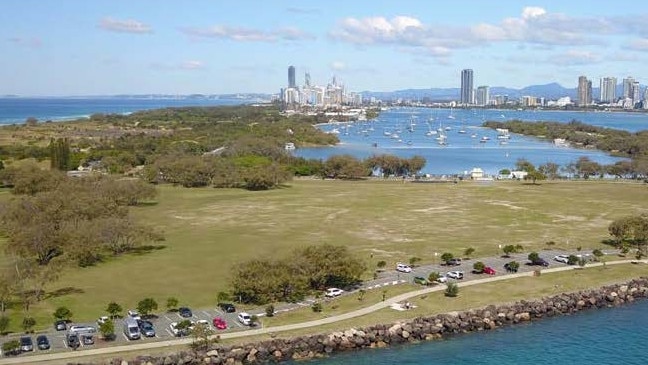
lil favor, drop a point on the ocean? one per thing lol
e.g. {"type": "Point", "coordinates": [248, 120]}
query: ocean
{"type": "Point", "coordinates": [604, 336]}
{"type": "Point", "coordinates": [467, 144]}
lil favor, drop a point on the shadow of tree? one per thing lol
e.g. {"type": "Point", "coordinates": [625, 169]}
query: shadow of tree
{"type": "Point", "coordinates": [63, 292]}
{"type": "Point", "coordinates": [142, 250]}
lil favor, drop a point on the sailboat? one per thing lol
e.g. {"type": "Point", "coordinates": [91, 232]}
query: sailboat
{"type": "Point", "coordinates": [451, 116]}
{"type": "Point", "coordinates": [463, 128]}
{"type": "Point", "coordinates": [430, 132]}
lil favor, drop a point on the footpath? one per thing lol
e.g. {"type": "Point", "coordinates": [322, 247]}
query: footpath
{"type": "Point", "coordinates": [289, 327]}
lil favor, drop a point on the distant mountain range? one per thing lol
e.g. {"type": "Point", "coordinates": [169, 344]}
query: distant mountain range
{"type": "Point", "coordinates": [548, 91]}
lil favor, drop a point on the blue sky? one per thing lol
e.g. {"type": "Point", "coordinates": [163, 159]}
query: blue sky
{"type": "Point", "coordinates": [91, 47]}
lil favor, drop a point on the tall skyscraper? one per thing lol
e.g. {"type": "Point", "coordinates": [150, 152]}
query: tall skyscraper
{"type": "Point", "coordinates": [482, 96]}
{"type": "Point", "coordinates": [608, 89]}
{"type": "Point", "coordinates": [307, 79]}
{"type": "Point", "coordinates": [627, 87]}
{"type": "Point", "coordinates": [467, 92]}
{"type": "Point", "coordinates": [584, 91]}
{"type": "Point", "coordinates": [292, 82]}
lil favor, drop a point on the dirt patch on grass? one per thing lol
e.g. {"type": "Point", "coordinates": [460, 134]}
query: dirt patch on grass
{"type": "Point", "coordinates": [504, 204]}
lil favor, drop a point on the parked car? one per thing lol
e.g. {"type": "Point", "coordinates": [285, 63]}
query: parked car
{"type": "Point", "coordinates": [60, 325]}
{"type": "Point", "coordinates": [489, 270]}
{"type": "Point", "coordinates": [442, 279]}
{"type": "Point", "coordinates": [333, 292]}
{"type": "Point", "coordinates": [403, 268]}
{"type": "Point", "coordinates": [26, 344]}
{"type": "Point", "coordinates": [245, 318]}
{"type": "Point", "coordinates": [87, 339]}
{"type": "Point", "coordinates": [78, 329]}
{"type": "Point", "coordinates": [101, 320]}
{"type": "Point", "coordinates": [134, 314]}
{"type": "Point", "coordinates": [540, 262]}
{"type": "Point", "coordinates": [147, 329]}
{"type": "Point", "coordinates": [453, 262]}
{"type": "Point", "coordinates": [421, 280]}
{"type": "Point", "coordinates": [219, 323]}
{"type": "Point", "coordinates": [562, 258]}
{"type": "Point", "coordinates": [455, 275]}
{"type": "Point", "coordinates": [185, 312]}
{"type": "Point", "coordinates": [176, 331]}
{"type": "Point", "coordinates": [72, 340]}
{"type": "Point", "coordinates": [227, 307]}
{"type": "Point", "coordinates": [42, 342]}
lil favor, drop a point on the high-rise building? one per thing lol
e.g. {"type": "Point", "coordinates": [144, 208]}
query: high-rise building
{"type": "Point", "coordinates": [635, 92]}
{"type": "Point", "coordinates": [467, 92]}
{"type": "Point", "coordinates": [307, 79]}
{"type": "Point", "coordinates": [608, 89]}
{"type": "Point", "coordinates": [627, 87]}
{"type": "Point", "coordinates": [482, 96]}
{"type": "Point", "coordinates": [292, 82]}
{"type": "Point", "coordinates": [584, 91]}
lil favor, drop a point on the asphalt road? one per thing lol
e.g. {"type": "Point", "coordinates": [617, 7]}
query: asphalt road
{"type": "Point", "coordinates": [236, 329]}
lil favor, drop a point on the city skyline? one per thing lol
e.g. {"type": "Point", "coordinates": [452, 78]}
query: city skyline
{"type": "Point", "coordinates": [211, 47]}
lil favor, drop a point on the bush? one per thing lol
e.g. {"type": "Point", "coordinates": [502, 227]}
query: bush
{"type": "Point", "coordinates": [107, 330]}
{"type": "Point", "coordinates": [434, 276]}
{"type": "Point", "coordinates": [270, 310]}
{"type": "Point", "coordinates": [172, 304]}
{"type": "Point", "coordinates": [381, 264]}
{"type": "Point", "coordinates": [317, 307]}
{"type": "Point", "coordinates": [572, 260]}
{"type": "Point", "coordinates": [452, 290]}
{"type": "Point", "coordinates": [146, 306]}
{"type": "Point", "coordinates": [478, 267]}
{"type": "Point", "coordinates": [447, 256]}
{"type": "Point", "coordinates": [469, 251]}
{"type": "Point", "coordinates": [11, 347]}
{"type": "Point", "coordinates": [62, 313]}
{"type": "Point", "coordinates": [513, 266]}
{"type": "Point", "coordinates": [414, 260]}
{"type": "Point", "coordinates": [533, 257]}
{"type": "Point", "coordinates": [4, 324]}
{"type": "Point", "coordinates": [28, 324]}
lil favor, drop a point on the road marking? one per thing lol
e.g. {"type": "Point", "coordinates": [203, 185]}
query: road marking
{"type": "Point", "coordinates": [65, 344]}
{"type": "Point", "coordinates": [207, 314]}
{"type": "Point", "coordinates": [168, 319]}
{"type": "Point", "coordinates": [125, 337]}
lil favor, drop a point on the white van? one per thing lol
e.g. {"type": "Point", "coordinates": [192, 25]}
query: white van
{"type": "Point", "coordinates": [131, 329]}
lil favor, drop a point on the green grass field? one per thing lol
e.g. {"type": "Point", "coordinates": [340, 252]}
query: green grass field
{"type": "Point", "coordinates": [208, 231]}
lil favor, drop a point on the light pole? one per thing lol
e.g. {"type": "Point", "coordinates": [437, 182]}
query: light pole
{"type": "Point", "coordinates": [500, 248]}
{"type": "Point", "coordinates": [435, 256]}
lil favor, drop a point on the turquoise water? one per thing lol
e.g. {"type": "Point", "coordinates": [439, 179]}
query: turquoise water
{"type": "Point", "coordinates": [604, 336]}
{"type": "Point", "coordinates": [464, 151]}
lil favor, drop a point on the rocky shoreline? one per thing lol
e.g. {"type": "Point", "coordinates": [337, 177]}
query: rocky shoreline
{"type": "Point", "coordinates": [411, 331]}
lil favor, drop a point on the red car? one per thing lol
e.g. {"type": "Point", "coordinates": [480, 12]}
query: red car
{"type": "Point", "coordinates": [220, 323]}
{"type": "Point", "coordinates": [489, 270]}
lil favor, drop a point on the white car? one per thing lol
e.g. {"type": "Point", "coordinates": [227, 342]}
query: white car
{"type": "Point", "coordinates": [562, 258]}
{"type": "Point", "coordinates": [174, 329]}
{"type": "Point", "coordinates": [403, 268]}
{"type": "Point", "coordinates": [333, 292]}
{"type": "Point", "coordinates": [134, 314]}
{"type": "Point", "coordinates": [441, 279]}
{"type": "Point", "coordinates": [245, 318]}
{"type": "Point", "coordinates": [102, 320]}
{"type": "Point", "coordinates": [455, 275]}
{"type": "Point", "coordinates": [78, 329]}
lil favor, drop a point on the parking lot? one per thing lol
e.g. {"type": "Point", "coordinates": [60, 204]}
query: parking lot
{"type": "Point", "coordinates": [386, 278]}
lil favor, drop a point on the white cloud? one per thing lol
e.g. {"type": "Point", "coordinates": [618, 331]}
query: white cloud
{"type": "Point", "coordinates": [638, 45]}
{"type": "Point", "coordinates": [338, 65]}
{"type": "Point", "coordinates": [124, 26]}
{"type": "Point", "coordinates": [532, 12]}
{"type": "Point", "coordinates": [192, 65]}
{"type": "Point", "coordinates": [241, 34]}
{"type": "Point", "coordinates": [574, 57]}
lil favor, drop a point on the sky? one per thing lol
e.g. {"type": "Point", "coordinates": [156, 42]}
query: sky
{"type": "Point", "coordinates": [92, 47]}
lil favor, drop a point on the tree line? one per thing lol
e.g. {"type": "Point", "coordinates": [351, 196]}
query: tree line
{"type": "Point", "coordinates": [53, 221]}
{"type": "Point", "coordinates": [313, 268]}
{"type": "Point", "coordinates": [616, 142]}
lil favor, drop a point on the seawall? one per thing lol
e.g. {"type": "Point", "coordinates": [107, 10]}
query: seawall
{"type": "Point", "coordinates": [416, 330]}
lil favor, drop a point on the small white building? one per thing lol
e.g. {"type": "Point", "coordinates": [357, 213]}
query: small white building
{"type": "Point", "coordinates": [476, 173]}
{"type": "Point", "coordinates": [519, 175]}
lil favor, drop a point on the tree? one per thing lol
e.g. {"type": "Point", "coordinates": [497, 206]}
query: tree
{"type": "Point", "coordinates": [146, 306]}
{"type": "Point", "coordinates": [28, 323]}
{"type": "Point", "coordinates": [534, 176]}
{"type": "Point", "coordinates": [446, 256]}
{"type": "Point", "coordinates": [469, 251]}
{"type": "Point", "coordinates": [60, 154]}
{"type": "Point", "coordinates": [201, 334]}
{"type": "Point", "coordinates": [434, 276]}
{"type": "Point", "coordinates": [513, 266]}
{"type": "Point", "coordinates": [114, 309]}
{"type": "Point", "coordinates": [598, 254]}
{"type": "Point", "coordinates": [172, 304]}
{"type": "Point", "coordinates": [381, 264]}
{"type": "Point", "coordinates": [270, 310]}
{"type": "Point", "coordinates": [533, 257]}
{"type": "Point", "coordinates": [107, 330]}
{"type": "Point", "coordinates": [4, 324]}
{"type": "Point", "coordinates": [414, 260]}
{"type": "Point", "coordinates": [361, 294]}
{"type": "Point", "coordinates": [11, 347]}
{"type": "Point", "coordinates": [549, 169]}
{"type": "Point", "coordinates": [572, 260]}
{"type": "Point", "coordinates": [317, 307]}
{"type": "Point", "coordinates": [63, 313]}
{"type": "Point", "coordinates": [509, 249]}
{"type": "Point", "coordinates": [478, 267]}
{"type": "Point", "coordinates": [345, 167]}
{"type": "Point", "coordinates": [452, 290]}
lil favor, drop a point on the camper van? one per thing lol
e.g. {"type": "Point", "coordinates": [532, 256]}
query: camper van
{"type": "Point", "coordinates": [131, 329]}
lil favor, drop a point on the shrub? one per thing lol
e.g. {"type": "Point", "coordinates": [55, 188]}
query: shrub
{"type": "Point", "coordinates": [317, 307]}
{"type": "Point", "coordinates": [572, 260]}
{"type": "Point", "coordinates": [447, 256]}
{"type": "Point", "coordinates": [469, 251]}
{"type": "Point", "coordinates": [28, 323]}
{"type": "Point", "coordinates": [11, 347]}
{"type": "Point", "coordinates": [107, 330]}
{"type": "Point", "coordinates": [414, 260]}
{"type": "Point", "coordinates": [270, 310]}
{"type": "Point", "coordinates": [513, 266]}
{"type": "Point", "coordinates": [146, 306]}
{"type": "Point", "coordinates": [478, 267]}
{"type": "Point", "coordinates": [361, 294]}
{"type": "Point", "coordinates": [172, 304]}
{"type": "Point", "coordinates": [597, 254]}
{"type": "Point", "coordinates": [62, 313]}
{"type": "Point", "coordinates": [381, 264]}
{"type": "Point", "coordinates": [533, 257]}
{"type": "Point", "coordinates": [452, 290]}
{"type": "Point", "coordinates": [434, 276]}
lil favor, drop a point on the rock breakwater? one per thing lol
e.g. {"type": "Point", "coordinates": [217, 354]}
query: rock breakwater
{"type": "Point", "coordinates": [415, 330]}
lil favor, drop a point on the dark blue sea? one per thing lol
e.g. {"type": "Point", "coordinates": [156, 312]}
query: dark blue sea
{"type": "Point", "coordinates": [406, 132]}
{"type": "Point", "coordinates": [604, 337]}
{"type": "Point", "coordinates": [17, 110]}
